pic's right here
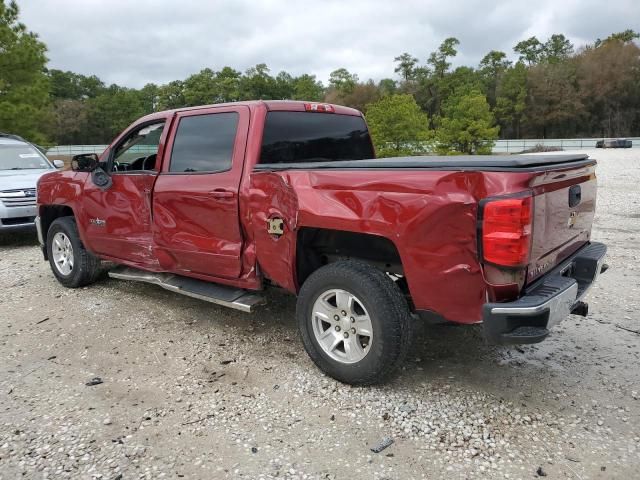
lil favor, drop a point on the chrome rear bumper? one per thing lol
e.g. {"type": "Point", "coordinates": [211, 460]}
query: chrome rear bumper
{"type": "Point", "coordinates": [547, 302]}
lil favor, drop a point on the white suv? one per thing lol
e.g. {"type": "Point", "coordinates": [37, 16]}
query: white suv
{"type": "Point", "coordinates": [21, 165]}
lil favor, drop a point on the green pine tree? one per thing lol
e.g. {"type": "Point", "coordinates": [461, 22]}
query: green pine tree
{"type": "Point", "coordinates": [397, 125]}
{"type": "Point", "coordinates": [466, 127]}
{"type": "Point", "coordinates": [24, 88]}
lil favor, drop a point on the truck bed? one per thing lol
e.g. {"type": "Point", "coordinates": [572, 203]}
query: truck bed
{"type": "Point", "coordinates": [497, 163]}
{"type": "Point", "coordinates": [429, 207]}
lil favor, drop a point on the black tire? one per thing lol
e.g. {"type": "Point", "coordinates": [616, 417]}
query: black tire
{"type": "Point", "coordinates": [86, 267]}
{"type": "Point", "coordinates": [387, 308]}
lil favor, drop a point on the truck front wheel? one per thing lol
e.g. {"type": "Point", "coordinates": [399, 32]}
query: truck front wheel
{"type": "Point", "coordinates": [354, 322]}
{"type": "Point", "coordinates": [72, 265]}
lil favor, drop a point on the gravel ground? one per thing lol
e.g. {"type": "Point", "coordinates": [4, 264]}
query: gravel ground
{"type": "Point", "coordinates": [198, 391]}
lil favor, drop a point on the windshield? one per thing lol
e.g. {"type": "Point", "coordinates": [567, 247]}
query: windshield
{"type": "Point", "coordinates": [298, 137]}
{"type": "Point", "coordinates": [21, 157]}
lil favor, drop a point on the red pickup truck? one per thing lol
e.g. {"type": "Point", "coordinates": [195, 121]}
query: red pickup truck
{"type": "Point", "coordinates": [220, 202]}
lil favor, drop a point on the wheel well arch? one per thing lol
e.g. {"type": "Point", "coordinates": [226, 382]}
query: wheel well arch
{"type": "Point", "coordinates": [48, 213]}
{"type": "Point", "coordinates": [317, 247]}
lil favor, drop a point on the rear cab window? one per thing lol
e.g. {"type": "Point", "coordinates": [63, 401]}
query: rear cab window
{"type": "Point", "coordinates": [304, 137]}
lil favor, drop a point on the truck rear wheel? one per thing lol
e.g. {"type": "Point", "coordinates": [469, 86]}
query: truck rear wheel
{"type": "Point", "coordinates": [354, 322]}
{"type": "Point", "coordinates": [72, 265]}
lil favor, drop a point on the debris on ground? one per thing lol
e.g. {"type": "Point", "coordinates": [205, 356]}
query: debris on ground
{"type": "Point", "coordinates": [94, 381]}
{"type": "Point", "coordinates": [384, 443]}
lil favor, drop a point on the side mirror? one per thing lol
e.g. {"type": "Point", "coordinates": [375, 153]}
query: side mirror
{"type": "Point", "coordinates": [84, 162]}
{"type": "Point", "coordinates": [58, 163]}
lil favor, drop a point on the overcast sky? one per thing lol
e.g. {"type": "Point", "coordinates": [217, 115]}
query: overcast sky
{"type": "Point", "coordinates": [133, 42]}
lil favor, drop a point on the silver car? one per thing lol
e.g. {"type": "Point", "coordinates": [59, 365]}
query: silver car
{"type": "Point", "coordinates": [21, 165]}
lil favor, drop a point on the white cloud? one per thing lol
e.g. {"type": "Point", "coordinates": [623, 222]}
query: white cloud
{"type": "Point", "coordinates": [135, 42]}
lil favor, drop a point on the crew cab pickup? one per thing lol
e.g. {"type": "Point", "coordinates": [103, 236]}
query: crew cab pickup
{"type": "Point", "coordinates": [221, 202]}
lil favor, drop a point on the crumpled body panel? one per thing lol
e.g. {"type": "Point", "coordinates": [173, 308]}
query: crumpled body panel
{"type": "Point", "coordinates": [430, 216]}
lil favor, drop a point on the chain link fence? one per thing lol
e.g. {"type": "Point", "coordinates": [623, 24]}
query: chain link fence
{"type": "Point", "coordinates": [518, 146]}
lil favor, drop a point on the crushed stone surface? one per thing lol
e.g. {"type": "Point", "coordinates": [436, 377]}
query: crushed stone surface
{"type": "Point", "coordinates": [193, 390]}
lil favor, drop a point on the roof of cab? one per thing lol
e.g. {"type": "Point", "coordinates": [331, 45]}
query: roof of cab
{"type": "Point", "coordinates": [271, 105]}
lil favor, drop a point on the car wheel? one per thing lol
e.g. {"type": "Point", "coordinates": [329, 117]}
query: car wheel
{"type": "Point", "coordinates": [72, 265]}
{"type": "Point", "coordinates": [354, 322]}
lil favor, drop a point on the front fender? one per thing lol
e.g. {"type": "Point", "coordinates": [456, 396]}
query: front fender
{"type": "Point", "coordinates": [60, 194]}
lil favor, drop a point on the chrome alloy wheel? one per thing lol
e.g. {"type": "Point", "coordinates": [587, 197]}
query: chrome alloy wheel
{"type": "Point", "coordinates": [342, 326]}
{"type": "Point", "coordinates": [62, 252]}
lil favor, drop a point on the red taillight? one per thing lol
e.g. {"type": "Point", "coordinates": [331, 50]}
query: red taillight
{"type": "Point", "coordinates": [319, 107]}
{"type": "Point", "coordinates": [506, 231]}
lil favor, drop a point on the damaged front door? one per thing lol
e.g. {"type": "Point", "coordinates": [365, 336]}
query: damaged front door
{"type": "Point", "coordinates": [118, 215]}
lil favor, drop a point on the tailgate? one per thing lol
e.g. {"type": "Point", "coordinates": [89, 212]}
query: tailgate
{"type": "Point", "coordinates": [564, 207]}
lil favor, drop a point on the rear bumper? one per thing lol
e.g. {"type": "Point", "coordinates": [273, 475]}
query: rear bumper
{"type": "Point", "coordinates": [547, 302]}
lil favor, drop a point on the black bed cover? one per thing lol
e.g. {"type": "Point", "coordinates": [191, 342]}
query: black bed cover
{"type": "Point", "coordinates": [459, 162]}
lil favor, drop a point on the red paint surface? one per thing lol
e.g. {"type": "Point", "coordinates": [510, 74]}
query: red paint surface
{"type": "Point", "coordinates": [553, 239]}
{"type": "Point", "coordinates": [172, 222]}
{"type": "Point", "coordinates": [195, 221]}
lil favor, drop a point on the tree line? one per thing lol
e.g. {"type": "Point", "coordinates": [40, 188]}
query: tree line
{"type": "Point", "coordinates": [553, 90]}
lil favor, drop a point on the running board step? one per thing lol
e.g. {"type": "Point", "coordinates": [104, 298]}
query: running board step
{"type": "Point", "coordinates": [244, 300]}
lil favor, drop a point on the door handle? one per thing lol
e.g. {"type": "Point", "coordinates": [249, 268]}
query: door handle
{"type": "Point", "coordinates": [220, 193]}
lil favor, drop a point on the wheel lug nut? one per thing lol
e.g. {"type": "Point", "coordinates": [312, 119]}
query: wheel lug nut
{"type": "Point", "coordinates": [344, 314]}
{"type": "Point", "coordinates": [336, 318]}
{"type": "Point", "coordinates": [353, 330]}
{"type": "Point", "coordinates": [346, 335]}
{"type": "Point", "coordinates": [353, 320]}
{"type": "Point", "coordinates": [337, 328]}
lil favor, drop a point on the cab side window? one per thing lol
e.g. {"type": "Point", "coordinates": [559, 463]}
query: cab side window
{"type": "Point", "coordinates": [139, 150]}
{"type": "Point", "coordinates": [204, 143]}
